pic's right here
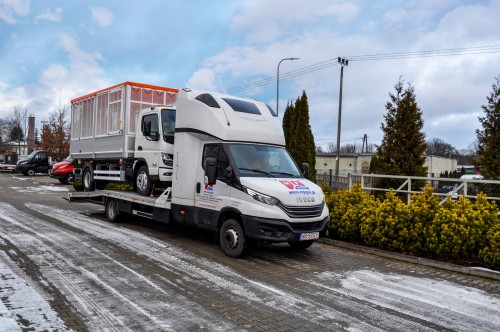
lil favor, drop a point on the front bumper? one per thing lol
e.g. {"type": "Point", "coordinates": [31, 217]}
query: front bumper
{"type": "Point", "coordinates": [275, 230]}
{"type": "Point", "coordinates": [59, 175]}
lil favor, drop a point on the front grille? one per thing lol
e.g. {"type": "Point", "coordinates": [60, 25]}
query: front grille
{"type": "Point", "coordinates": [302, 211]}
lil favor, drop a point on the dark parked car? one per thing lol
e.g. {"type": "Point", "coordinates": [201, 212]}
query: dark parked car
{"type": "Point", "coordinates": [36, 162]}
{"type": "Point", "coordinates": [63, 171]}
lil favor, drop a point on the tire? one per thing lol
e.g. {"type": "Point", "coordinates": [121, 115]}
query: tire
{"type": "Point", "coordinates": [87, 180]}
{"type": "Point", "coordinates": [30, 172]}
{"type": "Point", "coordinates": [232, 238]}
{"type": "Point", "coordinates": [111, 210]}
{"type": "Point", "coordinates": [143, 181]}
{"type": "Point", "coordinates": [70, 178]}
{"type": "Point", "coordinates": [301, 245]}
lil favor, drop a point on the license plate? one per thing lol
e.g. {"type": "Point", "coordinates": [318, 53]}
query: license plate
{"type": "Point", "coordinates": [309, 236]}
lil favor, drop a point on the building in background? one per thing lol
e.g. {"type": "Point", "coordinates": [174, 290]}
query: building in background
{"type": "Point", "coordinates": [359, 163]}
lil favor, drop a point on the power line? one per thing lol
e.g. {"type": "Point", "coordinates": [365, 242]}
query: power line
{"type": "Point", "coordinates": [489, 49]}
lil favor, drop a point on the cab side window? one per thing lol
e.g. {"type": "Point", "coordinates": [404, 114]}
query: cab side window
{"type": "Point", "coordinates": [150, 125]}
{"type": "Point", "coordinates": [216, 151]}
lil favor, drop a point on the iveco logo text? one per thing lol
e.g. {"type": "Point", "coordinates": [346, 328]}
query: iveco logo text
{"type": "Point", "coordinates": [305, 199]}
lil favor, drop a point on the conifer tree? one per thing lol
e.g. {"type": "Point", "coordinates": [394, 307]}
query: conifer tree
{"type": "Point", "coordinates": [489, 137]}
{"type": "Point", "coordinates": [287, 118]}
{"type": "Point", "coordinates": [402, 151]}
{"type": "Point", "coordinates": [298, 134]}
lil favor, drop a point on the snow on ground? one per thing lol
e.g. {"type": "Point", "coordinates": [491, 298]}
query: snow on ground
{"type": "Point", "coordinates": [455, 306]}
{"type": "Point", "coordinates": [119, 295]}
{"type": "Point", "coordinates": [41, 189]}
{"type": "Point", "coordinates": [19, 300]}
{"type": "Point", "coordinates": [433, 301]}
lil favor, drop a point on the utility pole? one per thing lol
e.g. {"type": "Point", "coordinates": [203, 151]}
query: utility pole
{"type": "Point", "coordinates": [343, 62]}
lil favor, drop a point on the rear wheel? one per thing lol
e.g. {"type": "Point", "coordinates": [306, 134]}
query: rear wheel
{"type": "Point", "coordinates": [232, 238]}
{"type": "Point", "coordinates": [143, 181]}
{"type": "Point", "coordinates": [301, 245]}
{"type": "Point", "coordinates": [88, 181]}
{"type": "Point", "coordinates": [111, 210]}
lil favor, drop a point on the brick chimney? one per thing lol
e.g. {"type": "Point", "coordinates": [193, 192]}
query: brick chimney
{"type": "Point", "coordinates": [31, 134]}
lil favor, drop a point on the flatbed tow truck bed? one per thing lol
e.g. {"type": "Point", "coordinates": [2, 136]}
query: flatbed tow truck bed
{"type": "Point", "coordinates": [127, 202]}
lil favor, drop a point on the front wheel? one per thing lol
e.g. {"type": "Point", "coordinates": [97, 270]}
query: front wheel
{"type": "Point", "coordinates": [143, 181]}
{"type": "Point", "coordinates": [301, 245]}
{"type": "Point", "coordinates": [30, 172]}
{"type": "Point", "coordinates": [232, 238]}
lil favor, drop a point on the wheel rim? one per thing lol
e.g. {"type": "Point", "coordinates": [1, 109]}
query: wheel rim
{"type": "Point", "coordinates": [31, 172]}
{"type": "Point", "coordinates": [231, 238]}
{"type": "Point", "coordinates": [86, 179]}
{"type": "Point", "coordinates": [71, 178]}
{"type": "Point", "coordinates": [142, 181]}
{"type": "Point", "coordinates": [112, 210]}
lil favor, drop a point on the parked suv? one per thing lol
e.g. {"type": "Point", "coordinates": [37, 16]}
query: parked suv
{"type": "Point", "coordinates": [63, 171]}
{"type": "Point", "coordinates": [36, 162]}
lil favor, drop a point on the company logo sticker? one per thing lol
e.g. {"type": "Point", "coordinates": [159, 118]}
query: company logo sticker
{"type": "Point", "coordinates": [296, 187]}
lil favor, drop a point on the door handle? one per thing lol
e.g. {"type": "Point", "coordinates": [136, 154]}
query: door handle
{"type": "Point", "coordinates": [139, 148]}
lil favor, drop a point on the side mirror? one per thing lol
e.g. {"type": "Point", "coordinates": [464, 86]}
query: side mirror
{"type": "Point", "coordinates": [305, 170]}
{"type": "Point", "coordinates": [211, 170]}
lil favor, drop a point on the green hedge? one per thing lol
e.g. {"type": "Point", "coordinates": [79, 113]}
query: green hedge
{"type": "Point", "coordinates": [458, 230]}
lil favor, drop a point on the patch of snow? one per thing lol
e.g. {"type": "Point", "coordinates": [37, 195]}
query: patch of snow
{"type": "Point", "coordinates": [40, 189]}
{"type": "Point", "coordinates": [18, 299]}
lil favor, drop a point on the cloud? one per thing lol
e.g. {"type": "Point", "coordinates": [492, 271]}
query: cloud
{"type": "Point", "coordinates": [103, 16]}
{"type": "Point", "coordinates": [202, 79]}
{"type": "Point", "coordinates": [264, 20]}
{"type": "Point", "coordinates": [450, 90]}
{"type": "Point", "coordinates": [9, 9]}
{"type": "Point", "coordinates": [51, 16]}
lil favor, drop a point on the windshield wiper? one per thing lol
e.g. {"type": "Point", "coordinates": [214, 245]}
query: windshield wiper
{"type": "Point", "coordinates": [288, 174]}
{"type": "Point", "coordinates": [257, 171]}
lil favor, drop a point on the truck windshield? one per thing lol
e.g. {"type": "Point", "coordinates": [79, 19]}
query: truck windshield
{"type": "Point", "coordinates": [263, 161]}
{"type": "Point", "coordinates": [168, 125]}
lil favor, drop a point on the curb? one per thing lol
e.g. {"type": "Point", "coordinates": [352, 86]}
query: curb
{"type": "Point", "coordinates": [473, 271]}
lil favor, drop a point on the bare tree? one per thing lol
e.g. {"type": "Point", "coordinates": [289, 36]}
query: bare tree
{"type": "Point", "coordinates": [438, 147]}
{"type": "Point", "coordinates": [350, 148]}
{"type": "Point", "coordinates": [17, 125]}
{"type": "Point", "coordinates": [56, 133]}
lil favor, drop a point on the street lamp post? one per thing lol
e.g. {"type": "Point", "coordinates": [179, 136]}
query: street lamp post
{"type": "Point", "coordinates": [278, 83]}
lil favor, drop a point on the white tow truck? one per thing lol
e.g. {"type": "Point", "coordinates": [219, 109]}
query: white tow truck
{"type": "Point", "coordinates": [231, 174]}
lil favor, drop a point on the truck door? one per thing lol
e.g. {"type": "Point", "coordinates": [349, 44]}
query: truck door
{"type": "Point", "coordinates": [41, 162]}
{"type": "Point", "coordinates": [147, 141]}
{"type": "Point", "coordinates": [211, 199]}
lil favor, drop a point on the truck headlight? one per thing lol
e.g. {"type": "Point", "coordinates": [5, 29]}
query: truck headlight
{"type": "Point", "coordinates": [261, 197]}
{"type": "Point", "coordinates": [167, 159]}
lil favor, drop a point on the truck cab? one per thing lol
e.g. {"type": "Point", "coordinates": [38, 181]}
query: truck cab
{"type": "Point", "coordinates": [232, 174]}
{"type": "Point", "coordinates": [154, 147]}
{"type": "Point", "coordinates": [36, 162]}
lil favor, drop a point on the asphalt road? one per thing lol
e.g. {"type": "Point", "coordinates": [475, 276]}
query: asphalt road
{"type": "Point", "coordinates": [65, 267]}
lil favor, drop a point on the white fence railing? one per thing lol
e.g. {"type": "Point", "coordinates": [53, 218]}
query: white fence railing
{"type": "Point", "coordinates": [444, 187]}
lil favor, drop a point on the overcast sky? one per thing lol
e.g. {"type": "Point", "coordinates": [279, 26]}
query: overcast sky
{"type": "Point", "coordinates": [53, 51]}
